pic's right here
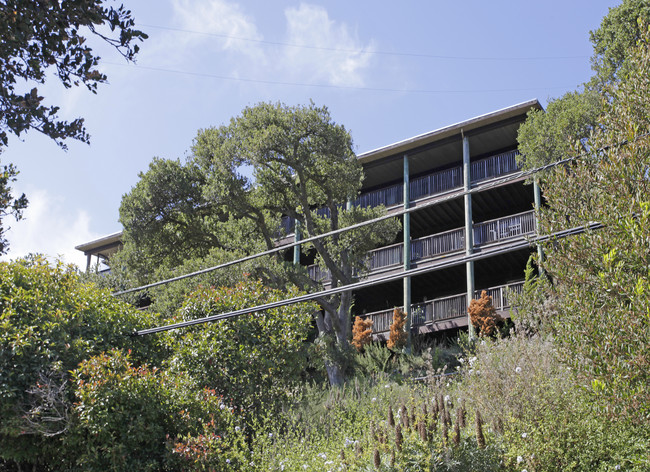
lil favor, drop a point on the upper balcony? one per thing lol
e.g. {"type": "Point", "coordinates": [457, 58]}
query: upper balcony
{"type": "Point", "coordinates": [433, 184]}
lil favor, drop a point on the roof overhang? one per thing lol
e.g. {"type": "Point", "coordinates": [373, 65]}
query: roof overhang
{"type": "Point", "coordinates": [104, 246]}
{"type": "Point", "coordinates": [402, 147]}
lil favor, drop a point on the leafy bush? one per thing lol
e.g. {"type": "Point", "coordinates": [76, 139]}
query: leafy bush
{"type": "Point", "coordinates": [134, 417]}
{"type": "Point", "coordinates": [50, 322]}
{"type": "Point", "coordinates": [254, 360]}
{"type": "Point", "coordinates": [398, 335]}
{"type": "Point", "coordinates": [544, 418]}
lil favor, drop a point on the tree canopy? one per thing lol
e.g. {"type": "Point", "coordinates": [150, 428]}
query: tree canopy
{"type": "Point", "coordinates": [271, 161]}
{"type": "Point", "coordinates": [549, 136]}
{"type": "Point", "coordinates": [38, 36]}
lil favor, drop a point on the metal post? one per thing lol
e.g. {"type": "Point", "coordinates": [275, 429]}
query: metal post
{"type": "Point", "coordinates": [296, 238]}
{"type": "Point", "coordinates": [469, 231]}
{"type": "Point", "coordinates": [406, 253]}
{"type": "Point", "coordinates": [537, 192]}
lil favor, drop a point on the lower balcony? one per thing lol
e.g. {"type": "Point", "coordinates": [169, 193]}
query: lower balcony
{"type": "Point", "coordinates": [436, 314]}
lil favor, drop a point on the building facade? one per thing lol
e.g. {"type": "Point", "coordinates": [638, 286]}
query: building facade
{"type": "Point", "coordinates": [453, 180]}
{"type": "Point", "coordinates": [434, 171]}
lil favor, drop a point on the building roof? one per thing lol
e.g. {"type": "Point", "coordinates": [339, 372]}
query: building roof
{"type": "Point", "coordinates": [104, 246]}
{"type": "Point", "coordinates": [466, 126]}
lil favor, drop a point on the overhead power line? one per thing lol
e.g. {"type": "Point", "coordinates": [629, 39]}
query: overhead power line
{"type": "Point", "coordinates": [406, 273]}
{"type": "Point", "coordinates": [326, 86]}
{"type": "Point", "coordinates": [392, 214]}
{"type": "Point", "coordinates": [367, 51]}
{"type": "Point", "coordinates": [377, 281]}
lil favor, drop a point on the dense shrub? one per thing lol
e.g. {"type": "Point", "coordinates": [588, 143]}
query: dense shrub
{"type": "Point", "coordinates": [398, 335]}
{"type": "Point", "coordinates": [132, 417]}
{"type": "Point", "coordinates": [483, 315]}
{"type": "Point", "coordinates": [254, 360]}
{"type": "Point", "coordinates": [49, 322]}
{"type": "Point", "coordinates": [361, 333]}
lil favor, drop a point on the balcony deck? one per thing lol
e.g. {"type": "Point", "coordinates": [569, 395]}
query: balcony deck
{"type": "Point", "coordinates": [442, 245]}
{"type": "Point", "coordinates": [442, 313]}
{"type": "Point", "coordinates": [431, 185]}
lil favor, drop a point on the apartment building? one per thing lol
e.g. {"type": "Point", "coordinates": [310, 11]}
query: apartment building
{"type": "Point", "coordinates": [433, 171]}
{"type": "Point", "coordinates": [431, 174]}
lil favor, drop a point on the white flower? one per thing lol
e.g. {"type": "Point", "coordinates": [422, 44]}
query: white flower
{"type": "Point", "coordinates": [386, 386]}
{"type": "Point", "coordinates": [524, 470]}
{"type": "Point", "coordinates": [617, 467]}
{"type": "Point", "coordinates": [519, 459]}
{"type": "Point", "coordinates": [524, 435]}
{"type": "Point", "coordinates": [373, 399]}
{"type": "Point", "coordinates": [329, 462]}
{"type": "Point", "coordinates": [348, 442]}
{"type": "Point", "coordinates": [472, 360]}
{"type": "Point", "coordinates": [237, 428]}
{"type": "Point", "coordinates": [447, 398]}
{"type": "Point", "coordinates": [305, 466]}
{"type": "Point", "coordinates": [222, 406]}
{"type": "Point", "coordinates": [270, 435]}
{"type": "Point", "coordinates": [227, 461]}
{"type": "Point", "coordinates": [483, 343]}
{"type": "Point", "coordinates": [461, 360]}
{"type": "Point", "coordinates": [518, 370]}
{"type": "Point", "coordinates": [322, 455]}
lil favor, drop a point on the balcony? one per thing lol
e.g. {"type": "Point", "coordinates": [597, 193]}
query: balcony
{"type": "Point", "coordinates": [442, 309]}
{"type": "Point", "coordinates": [432, 184]}
{"type": "Point", "coordinates": [448, 242]}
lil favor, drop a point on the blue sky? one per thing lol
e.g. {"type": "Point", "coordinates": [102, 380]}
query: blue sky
{"type": "Point", "coordinates": [386, 70]}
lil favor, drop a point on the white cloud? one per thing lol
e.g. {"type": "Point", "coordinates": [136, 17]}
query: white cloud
{"type": "Point", "coordinates": [342, 59]}
{"type": "Point", "coordinates": [48, 227]}
{"type": "Point", "coordinates": [217, 17]}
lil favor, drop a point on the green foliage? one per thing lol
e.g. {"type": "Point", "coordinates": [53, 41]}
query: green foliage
{"type": "Point", "coordinates": [602, 276]}
{"type": "Point", "coordinates": [520, 384]}
{"type": "Point", "coordinates": [49, 323]}
{"type": "Point", "coordinates": [254, 360]}
{"type": "Point", "coordinates": [240, 180]}
{"type": "Point", "coordinates": [618, 33]}
{"type": "Point", "coordinates": [166, 218]}
{"type": "Point", "coordinates": [566, 126]}
{"type": "Point", "coordinates": [138, 418]}
{"type": "Point", "coordinates": [39, 38]}
{"type": "Point", "coordinates": [551, 135]}
{"type": "Point", "coordinates": [8, 204]}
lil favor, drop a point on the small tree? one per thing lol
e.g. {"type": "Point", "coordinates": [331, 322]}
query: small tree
{"type": "Point", "coordinates": [484, 316]}
{"type": "Point", "coordinates": [398, 335]}
{"type": "Point", "coordinates": [361, 333]}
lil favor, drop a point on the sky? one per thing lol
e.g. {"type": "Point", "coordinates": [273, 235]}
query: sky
{"type": "Point", "coordinates": [387, 71]}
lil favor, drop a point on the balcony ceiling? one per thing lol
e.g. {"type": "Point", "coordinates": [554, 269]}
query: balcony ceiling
{"type": "Point", "coordinates": [445, 153]}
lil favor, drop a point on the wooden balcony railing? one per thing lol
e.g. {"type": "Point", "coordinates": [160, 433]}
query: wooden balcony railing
{"type": "Point", "coordinates": [443, 308]}
{"type": "Point", "coordinates": [494, 166]}
{"type": "Point", "coordinates": [504, 228]}
{"type": "Point", "coordinates": [448, 242]}
{"type": "Point", "coordinates": [429, 185]}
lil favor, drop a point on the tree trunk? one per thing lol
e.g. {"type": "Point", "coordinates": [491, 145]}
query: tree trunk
{"type": "Point", "coordinates": [334, 374]}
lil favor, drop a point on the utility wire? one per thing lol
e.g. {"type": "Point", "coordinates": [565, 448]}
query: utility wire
{"type": "Point", "coordinates": [377, 281]}
{"type": "Point", "coordinates": [365, 51]}
{"type": "Point", "coordinates": [326, 86]}
{"type": "Point", "coordinates": [406, 273]}
{"type": "Point", "coordinates": [479, 188]}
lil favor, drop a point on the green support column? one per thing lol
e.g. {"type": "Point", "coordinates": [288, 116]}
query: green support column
{"type": "Point", "coordinates": [406, 253]}
{"type": "Point", "coordinates": [537, 192]}
{"type": "Point", "coordinates": [296, 238]}
{"type": "Point", "coordinates": [469, 231]}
